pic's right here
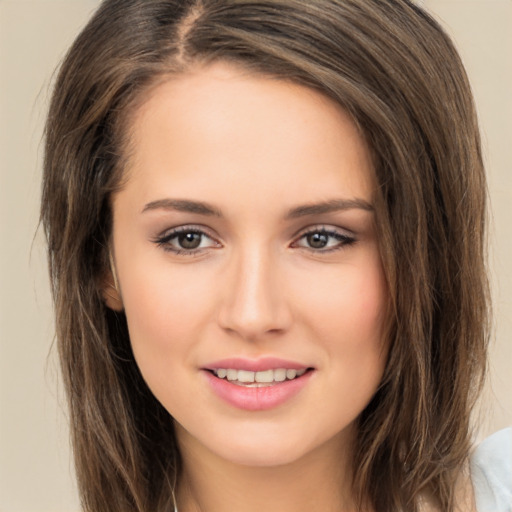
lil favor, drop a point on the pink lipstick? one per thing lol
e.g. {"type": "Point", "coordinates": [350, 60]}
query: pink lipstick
{"type": "Point", "coordinates": [256, 385]}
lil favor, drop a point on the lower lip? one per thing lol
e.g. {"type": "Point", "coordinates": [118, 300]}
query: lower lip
{"type": "Point", "coordinates": [257, 399]}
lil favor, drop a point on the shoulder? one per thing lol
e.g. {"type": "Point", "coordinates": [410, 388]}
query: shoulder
{"type": "Point", "coordinates": [491, 473]}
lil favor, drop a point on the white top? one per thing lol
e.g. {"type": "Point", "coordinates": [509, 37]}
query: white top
{"type": "Point", "coordinates": [491, 473]}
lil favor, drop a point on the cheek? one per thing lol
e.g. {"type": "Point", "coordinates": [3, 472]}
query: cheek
{"type": "Point", "coordinates": [349, 303]}
{"type": "Point", "coordinates": [347, 314]}
{"type": "Point", "coordinates": [166, 309]}
{"type": "Point", "coordinates": [166, 313]}
{"type": "Point", "coordinates": [356, 345]}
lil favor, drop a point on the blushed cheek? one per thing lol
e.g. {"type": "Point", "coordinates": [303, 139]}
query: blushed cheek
{"type": "Point", "coordinates": [350, 318]}
{"type": "Point", "coordinates": [355, 300]}
{"type": "Point", "coordinates": [371, 311]}
{"type": "Point", "coordinates": [372, 307]}
{"type": "Point", "coordinates": [166, 310]}
{"type": "Point", "coordinates": [163, 327]}
{"type": "Point", "coordinates": [371, 295]}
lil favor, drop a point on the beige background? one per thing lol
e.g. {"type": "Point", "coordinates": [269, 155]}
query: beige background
{"type": "Point", "coordinates": [35, 467]}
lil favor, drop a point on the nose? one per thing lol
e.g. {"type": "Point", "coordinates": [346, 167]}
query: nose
{"type": "Point", "coordinates": [254, 304]}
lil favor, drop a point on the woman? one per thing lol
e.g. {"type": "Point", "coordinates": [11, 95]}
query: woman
{"type": "Point", "coordinates": [266, 229]}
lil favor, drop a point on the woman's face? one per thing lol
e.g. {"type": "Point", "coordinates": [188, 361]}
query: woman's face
{"type": "Point", "coordinates": [248, 263]}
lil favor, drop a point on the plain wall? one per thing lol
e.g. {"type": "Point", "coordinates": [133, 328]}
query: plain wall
{"type": "Point", "coordinates": [36, 471]}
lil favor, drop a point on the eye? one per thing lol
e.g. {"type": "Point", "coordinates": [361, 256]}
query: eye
{"type": "Point", "coordinates": [185, 240]}
{"type": "Point", "coordinates": [324, 240]}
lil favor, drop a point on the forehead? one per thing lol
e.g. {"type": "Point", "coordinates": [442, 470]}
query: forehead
{"type": "Point", "coordinates": [223, 125]}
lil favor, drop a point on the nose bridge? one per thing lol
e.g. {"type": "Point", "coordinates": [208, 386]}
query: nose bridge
{"type": "Point", "coordinates": [255, 302]}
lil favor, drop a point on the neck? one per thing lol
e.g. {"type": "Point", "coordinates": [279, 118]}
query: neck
{"type": "Point", "coordinates": [319, 480]}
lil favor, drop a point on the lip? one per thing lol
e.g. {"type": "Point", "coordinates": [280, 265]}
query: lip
{"type": "Point", "coordinates": [255, 365]}
{"type": "Point", "coordinates": [256, 398]}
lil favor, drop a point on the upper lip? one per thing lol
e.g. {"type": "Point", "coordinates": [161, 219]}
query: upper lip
{"type": "Point", "coordinates": [255, 365]}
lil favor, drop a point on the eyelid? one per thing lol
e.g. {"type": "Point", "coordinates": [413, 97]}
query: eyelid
{"type": "Point", "coordinates": [328, 228]}
{"type": "Point", "coordinates": [344, 237]}
{"type": "Point", "coordinates": [185, 228]}
{"type": "Point", "coordinates": [163, 240]}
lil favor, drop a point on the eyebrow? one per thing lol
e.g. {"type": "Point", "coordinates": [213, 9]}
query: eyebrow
{"type": "Point", "coordinates": [183, 205]}
{"type": "Point", "coordinates": [202, 208]}
{"type": "Point", "coordinates": [331, 206]}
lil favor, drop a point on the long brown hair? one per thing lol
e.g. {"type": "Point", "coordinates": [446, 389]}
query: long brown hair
{"type": "Point", "coordinates": [396, 72]}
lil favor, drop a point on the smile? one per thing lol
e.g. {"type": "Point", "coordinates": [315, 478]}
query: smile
{"type": "Point", "coordinates": [258, 385]}
{"type": "Point", "coordinates": [257, 379]}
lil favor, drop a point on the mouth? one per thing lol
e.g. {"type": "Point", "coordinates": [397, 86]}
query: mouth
{"type": "Point", "coordinates": [258, 379]}
{"type": "Point", "coordinates": [257, 385]}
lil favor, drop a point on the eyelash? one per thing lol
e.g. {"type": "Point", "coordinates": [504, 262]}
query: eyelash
{"type": "Point", "coordinates": [165, 240]}
{"type": "Point", "coordinates": [343, 239]}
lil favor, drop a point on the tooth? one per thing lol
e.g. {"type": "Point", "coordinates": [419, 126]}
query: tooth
{"type": "Point", "coordinates": [290, 374]}
{"type": "Point", "coordinates": [264, 376]}
{"type": "Point", "coordinates": [245, 376]}
{"type": "Point", "coordinates": [280, 375]}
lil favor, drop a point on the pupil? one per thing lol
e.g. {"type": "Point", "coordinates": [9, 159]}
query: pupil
{"type": "Point", "coordinates": [317, 240]}
{"type": "Point", "coordinates": [189, 240]}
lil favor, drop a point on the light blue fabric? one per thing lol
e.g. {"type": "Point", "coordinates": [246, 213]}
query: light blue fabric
{"type": "Point", "coordinates": [491, 473]}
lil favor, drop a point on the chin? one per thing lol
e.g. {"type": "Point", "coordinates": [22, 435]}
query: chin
{"type": "Point", "coordinates": [261, 454]}
{"type": "Point", "coordinates": [267, 444]}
